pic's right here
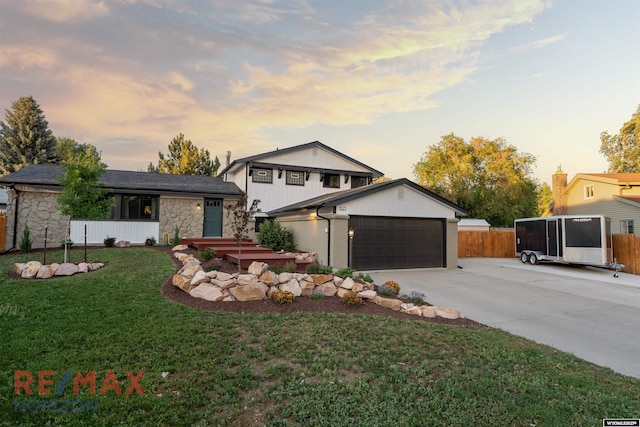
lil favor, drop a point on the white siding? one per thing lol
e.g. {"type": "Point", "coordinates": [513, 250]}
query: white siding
{"type": "Point", "coordinates": [133, 231]}
{"type": "Point", "coordinates": [314, 157]}
{"type": "Point", "coordinates": [401, 201]}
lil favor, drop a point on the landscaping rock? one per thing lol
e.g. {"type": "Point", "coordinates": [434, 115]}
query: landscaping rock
{"type": "Point", "coordinates": [428, 311]}
{"type": "Point", "coordinates": [200, 277]}
{"type": "Point", "coordinates": [342, 292]}
{"type": "Point", "coordinates": [224, 284]}
{"type": "Point", "coordinates": [292, 286]}
{"type": "Point", "coordinates": [357, 287]}
{"type": "Point", "coordinates": [285, 277]}
{"type": "Point", "coordinates": [347, 283]}
{"type": "Point", "coordinates": [257, 268]}
{"type": "Point", "coordinates": [253, 292]}
{"type": "Point", "coordinates": [207, 291]}
{"type": "Point", "coordinates": [391, 303]}
{"type": "Point", "coordinates": [319, 279]}
{"type": "Point", "coordinates": [83, 267]}
{"type": "Point", "coordinates": [447, 313]}
{"type": "Point", "coordinates": [181, 282]}
{"type": "Point", "coordinates": [180, 248]}
{"type": "Point", "coordinates": [222, 276]}
{"type": "Point", "coordinates": [123, 244]}
{"type": "Point", "coordinates": [46, 271]}
{"type": "Point", "coordinates": [213, 274]}
{"type": "Point", "coordinates": [66, 269]}
{"type": "Point", "coordinates": [95, 265]}
{"type": "Point", "coordinates": [31, 269]}
{"type": "Point", "coordinates": [247, 279]}
{"type": "Point", "coordinates": [416, 311]}
{"type": "Point", "coordinates": [328, 289]}
{"type": "Point", "coordinates": [189, 270]}
{"type": "Point", "coordinates": [18, 267]}
{"type": "Point", "coordinates": [269, 278]}
{"type": "Point", "coordinates": [272, 290]}
{"type": "Point", "coordinates": [368, 294]}
{"type": "Point", "coordinates": [229, 298]}
{"type": "Point", "coordinates": [180, 256]}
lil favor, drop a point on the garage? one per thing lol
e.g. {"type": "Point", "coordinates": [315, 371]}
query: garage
{"type": "Point", "coordinates": [386, 243]}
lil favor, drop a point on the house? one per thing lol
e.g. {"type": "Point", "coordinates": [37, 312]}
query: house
{"type": "Point", "coordinates": [4, 196]}
{"type": "Point", "coordinates": [147, 205]}
{"type": "Point", "coordinates": [615, 195]}
{"type": "Point", "coordinates": [389, 225]}
{"type": "Point", "coordinates": [283, 177]}
{"type": "Point", "coordinates": [472, 224]}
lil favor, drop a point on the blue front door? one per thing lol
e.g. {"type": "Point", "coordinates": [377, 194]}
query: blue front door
{"type": "Point", "coordinates": [213, 218]}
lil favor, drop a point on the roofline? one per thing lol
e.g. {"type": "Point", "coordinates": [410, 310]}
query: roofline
{"type": "Point", "coordinates": [626, 200]}
{"type": "Point", "coordinates": [297, 148]}
{"type": "Point", "coordinates": [599, 178]}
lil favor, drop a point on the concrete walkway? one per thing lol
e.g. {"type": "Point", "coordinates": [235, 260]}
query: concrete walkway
{"type": "Point", "coordinates": [580, 310]}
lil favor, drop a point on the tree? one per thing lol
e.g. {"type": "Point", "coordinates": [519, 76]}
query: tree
{"type": "Point", "coordinates": [69, 148]}
{"type": "Point", "coordinates": [545, 198]}
{"type": "Point", "coordinates": [239, 218]}
{"type": "Point", "coordinates": [184, 158]}
{"type": "Point", "coordinates": [83, 195]}
{"type": "Point", "coordinates": [25, 138]}
{"type": "Point", "coordinates": [623, 150]}
{"type": "Point", "coordinates": [488, 178]}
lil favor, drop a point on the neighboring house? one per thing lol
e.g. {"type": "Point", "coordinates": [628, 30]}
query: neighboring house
{"type": "Point", "coordinates": [388, 225]}
{"type": "Point", "coordinates": [472, 224]}
{"type": "Point", "coordinates": [282, 177]}
{"type": "Point", "coordinates": [4, 197]}
{"type": "Point", "coordinates": [147, 205]}
{"type": "Point", "coordinates": [615, 195]}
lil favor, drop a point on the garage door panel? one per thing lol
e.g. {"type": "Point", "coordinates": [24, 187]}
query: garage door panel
{"type": "Point", "coordinates": [391, 243]}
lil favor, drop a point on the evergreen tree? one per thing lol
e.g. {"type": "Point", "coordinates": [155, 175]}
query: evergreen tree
{"type": "Point", "coordinates": [184, 158]}
{"type": "Point", "coordinates": [25, 138]}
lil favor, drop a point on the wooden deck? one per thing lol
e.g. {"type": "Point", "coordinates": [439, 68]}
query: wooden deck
{"type": "Point", "coordinates": [222, 251]}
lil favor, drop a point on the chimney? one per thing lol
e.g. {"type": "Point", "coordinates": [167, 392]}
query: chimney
{"type": "Point", "coordinates": [228, 158]}
{"type": "Point", "coordinates": [558, 190]}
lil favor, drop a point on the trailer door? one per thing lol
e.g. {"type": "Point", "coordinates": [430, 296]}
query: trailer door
{"type": "Point", "coordinates": [552, 237]}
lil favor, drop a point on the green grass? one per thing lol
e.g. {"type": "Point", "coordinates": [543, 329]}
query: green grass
{"type": "Point", "coordinates": [278, 370]}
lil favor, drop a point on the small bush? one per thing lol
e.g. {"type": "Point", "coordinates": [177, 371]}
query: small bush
{"type": "Point", "coordinates": [290, 267]}
{"type": "Point", "coordinates": [274, 236]}
{"type": "Point", "coordinates": [364, 277]}
{"type": "Point", "coordinates": [316, 295]}
{"type": "Point", "coordinates": [315, 268]}
{"type": "Point", "coordinates": [344, 273]}
{"type": "Point", "coordinates": [352, 299]}
{"type": "Point", "coordinates": [386, 292]}
{"type": "Point", "coordinates": [150, 241]}
{"type": "Point", "coordinates": [109, 242]}
{"type": "Point", "coordinates": [283, 297]}
{"type": "Point", "coordinates": [275, 269]}
{"type": "Point", "coordinates": [394, 286]}
{"type": "Point", "coordinates": [176, 237]}
{"type": "Point", "coordinates": [215, 266]}
{"type": "Point", "coordinates": [207, 254]}
{"type": "Point", "coordinates": [26, 242]}
{"type": "Point", "coordinates": [416, 297]}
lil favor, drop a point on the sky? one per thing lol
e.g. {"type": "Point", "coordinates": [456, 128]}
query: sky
{"type": "Point", "coordinates": [379, 80]}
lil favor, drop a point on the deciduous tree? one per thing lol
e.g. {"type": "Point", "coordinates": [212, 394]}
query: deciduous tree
{"type": "Point", "coordinates": [487, 177]}
{"type": "Point", "coordinates": [25, 138]}
{"type": "Point", "coordinates": [184, 158]}
{"type": "Point", "coordinates": [623, 150]}
{"type": "Point", "coordinates": [69, 148]}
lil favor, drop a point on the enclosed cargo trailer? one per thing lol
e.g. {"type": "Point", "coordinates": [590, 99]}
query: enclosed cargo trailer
{"type": "Point", "coordinates": [566, 239]}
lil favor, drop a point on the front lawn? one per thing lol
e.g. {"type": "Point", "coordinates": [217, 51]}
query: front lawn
{"type": "Point", "coordinates": [209, 368]}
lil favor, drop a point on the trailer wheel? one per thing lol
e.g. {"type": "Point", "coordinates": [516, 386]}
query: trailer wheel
{"type": "Point", "coordinates": [524, 257]}
{"type": "Point", "coordinates": [533, 259]}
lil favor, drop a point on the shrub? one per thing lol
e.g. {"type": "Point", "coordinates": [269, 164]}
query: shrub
{"type": "Point", "coordinates": [386, 292]}
{"type": "Point", "coordinates": [352, 299]}
{"type": "Point", "coordinates": [207, 254]}
{"type": "Point", "coordinates": [26, 242]}
{"type": "Point", "coordinates": [275, 269]}
{"type": "Point", "coordinates": [150, 241]}
{"type": "Point", "coordinates": [283, 297]}
{"type": "Point", "coordinates": [215, 266]}
{"type": "Point", "coordinates": [274, 236]}
{"type": "Point", "coordinates": [316, 295]}
{"type": "Point", "coordinates": [290, 267]}
{"type": "Point", "coordinates": [176, 237]}
{"type": "Point", "coordinates": [394, 286]}
{"type": "Point", "coordinates": [364, 277]}
{"type": "Point", "coordinates": [315, 268]}
{"type": "Point", "coordinates": [344, 273]}
{"type": "Point", "coordinates": [416, 297]}
{"type": "Point", "coordinates": [109, 242]}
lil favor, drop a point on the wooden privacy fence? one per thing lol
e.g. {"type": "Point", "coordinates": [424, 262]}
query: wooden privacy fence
{"type": "Point", "coordinates": [487, 244]}
{"type": "Point", "coordinates": [626, 250]}
{"type": "Point", "coordinates": [3, 229]}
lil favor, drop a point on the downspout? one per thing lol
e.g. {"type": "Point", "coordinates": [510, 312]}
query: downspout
{"type": "Point", "coordinates": [328, 234]}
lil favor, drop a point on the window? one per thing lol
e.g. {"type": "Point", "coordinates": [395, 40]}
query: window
{"type": "Point", "coordinates": [626, 226]}
{"type": "Point", "coordinates": [295, 178]}
{"type": "Point", "coordinates": [139, 208]}
{"type": "Point", "coordinates": [358, 181]}
{"type": "Point", "coordinates": [262, 175]}
{"type": "Point", "coordinates": [331, 180]}
{"type": "Point", "coordinates": [588, 191]}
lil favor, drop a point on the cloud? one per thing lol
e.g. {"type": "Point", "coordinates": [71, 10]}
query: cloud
{"type": "Point", "coordinates": [62, 11]}
{"type": "Point", "coordinates": [537, 44]}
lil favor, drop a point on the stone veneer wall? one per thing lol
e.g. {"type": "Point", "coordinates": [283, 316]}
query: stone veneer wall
{"type": "Point", "coordinates": [181, 212]}
{"type": "Point", "coordinates": [38, 210]}
{"type": "Point", "coordinates": [227, 231]}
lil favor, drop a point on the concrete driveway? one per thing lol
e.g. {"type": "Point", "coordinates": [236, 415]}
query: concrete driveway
{"type": "Point", "coordinates": [580, 310]}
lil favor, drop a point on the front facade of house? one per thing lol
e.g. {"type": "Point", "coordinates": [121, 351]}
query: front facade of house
{"type": "Point", "coordinates": [146, 205]}
{"type": "Point", "coordinates": [615, 195]}
{"type": "Point", "coordinates": [283, 177]}
{"type": "Point", "coordinates": [390, 225]}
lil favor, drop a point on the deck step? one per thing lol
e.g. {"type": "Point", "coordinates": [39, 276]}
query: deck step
{"type": "Point", "coordinates": [272, 259]}
{"type": "Point", "coordinates": [222, 251]}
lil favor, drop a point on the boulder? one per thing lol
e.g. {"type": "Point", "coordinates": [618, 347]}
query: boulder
{"type": "Point", "coordinates": [229, 298]}
{"type": "Point", "coordinates": [302, 276]}
{"type": "Point", "coordinates": [66, 269]}
{"type": "Point", "coordinates": [407, 305]}
{"type": "Point", "coordinates": [207, 291]}
{"type": "Point", "coordinates": [200, 277]}
{"type": "Point", "coordinates": [189, 270]}
{"type": "Point", "coordinates": [338, 280]}
{"type": "Point", "coordinates": [224, 276]}
{"type": "Point", "coordinates": [285, 277]}
{"type": "Point", "coordinates": [342, 292]}
{"type": "Point", "coordinates": [96, 265]}
{"type": "Point", "coordinates": [123, 244]}
{"type": "Point", "coordinates": [391, 303]}
{"type": "Point", "coordinates": [45, 272]}
{"type": "Point", "coordinates": [292, 286]}
{"type": "Point", "coordinates": [414, 310]}
{"type": "Point", "coordinates": [357, 287]}
{"type": "Point", "coordinates": [181, 282]}
{"type": "Point", "coordinates": [328, 289]}
{"type": "Point", "coordinates": [428, 311]}
{"type": "Point", "coordinates": [447, 313]}
{"type": "Point", "coordinates": [253, 292]}
{"type": "Point", "coordinates": [247, 279]}
{"type": "Point", "coordinates": [269, 278]}
{"type": "Point", "coordinates": [347, 283]}
{"type": "Point", "coordinates": [257, 268]}
{"type": "Point", "coordinates": [83, 267]}
{"type": "Point", "coordinates": [190, 259]}
{"type": "Point", "coordinates": [319, 279]}
{"type": "Point", "coordinates": [180, 248]}
{"type": "Point", "coordinates": [180, 256]}
{"type": "Point", "coordinates": [31, 269]}
{"type": "Point", "coordinates": [272, 290]}
{"type": "Point", "coordinates": [368, 294]}
{"type": "Point", "coordinates": [213, 274]}
{"type": "Point", "coordinates": [18, 267]}
{"type": "Point", "coordinates": [224, 284]}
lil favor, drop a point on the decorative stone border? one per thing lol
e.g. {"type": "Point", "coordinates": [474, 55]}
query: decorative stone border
{"type": "Point", "coordinates": [36, 270]}
{"type": "Point", "coordinates": [261, 283]}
